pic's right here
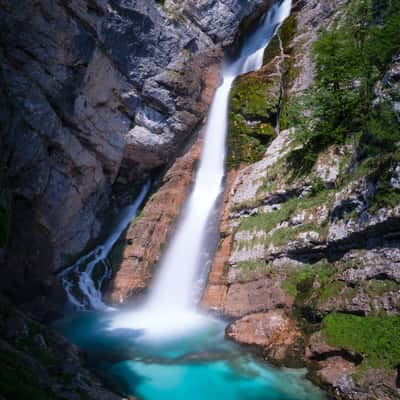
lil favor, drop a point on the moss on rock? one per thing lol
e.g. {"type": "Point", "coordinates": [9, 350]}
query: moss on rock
{"type": "Point", "coordinates": [254, 102]}
{"type": "Point", "coordinates": [376, 338]}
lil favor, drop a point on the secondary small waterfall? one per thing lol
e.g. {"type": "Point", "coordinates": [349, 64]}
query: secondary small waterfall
{"type": "Point", "coordinates": [82, 289]}
{"type": "Point", "coordinates": [171, 298]}
{"type": "Point", "coordinates": [165, 348]}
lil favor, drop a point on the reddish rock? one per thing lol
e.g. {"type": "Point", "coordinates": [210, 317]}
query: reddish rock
{"type": "Point", "coordinates": [335, 370]}
{"type": "Point", "coordinates": [318, 347]}
{"type": "Point", "coordinates": [147, 235]}
{"type": "Point", "coordinates": [214, 296]}
{"type": "Point", "coordinates": [216, 289]}
{"type": "Point", "coordinates": [274, 332]}
{"type": "Point", "coordinates": [150, 232]}
{"type": "Point", "coordinates": [255, 296]}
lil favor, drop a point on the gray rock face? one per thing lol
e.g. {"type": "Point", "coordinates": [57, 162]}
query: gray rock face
{"type": "Point", "coordinates": [93, 90]}
{"type": "Point", "coordinates": [317, 242]}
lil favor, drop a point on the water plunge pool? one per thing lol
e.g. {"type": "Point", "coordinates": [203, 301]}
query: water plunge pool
{"type": "Point", "coordinates": [197, 365]}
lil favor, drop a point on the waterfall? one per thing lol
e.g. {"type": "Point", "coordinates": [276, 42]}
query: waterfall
{"type": "Point", "coordinates": [83, 291]}
{"type": "Point", "coordinates": [170, 304]}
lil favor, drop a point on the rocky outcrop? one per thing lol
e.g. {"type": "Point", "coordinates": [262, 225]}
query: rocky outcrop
{"type": "Point", "coordinates": [95, 96]}
{"type": "Point", "coordinates": [274, 332]}
{"type": "Point", "coordinates": [136, 254]}
{"type": "Point", "coordinates": [318, 249]}
{"type": "Point", "coordinates": [36, 362]}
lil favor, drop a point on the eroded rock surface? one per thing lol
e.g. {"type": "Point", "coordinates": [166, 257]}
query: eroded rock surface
{"type": "Point", "coordinates": [276, 333]}
{"type": "Point", "coordinates": [139, 250]}
{"type": "Point", "coordinates": [318, 248]}
{"type": "Point", "coordinates": [94, 93]}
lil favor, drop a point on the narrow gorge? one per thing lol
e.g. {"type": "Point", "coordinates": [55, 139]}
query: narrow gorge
{"type": "Point", "coordinates": [200, 199]}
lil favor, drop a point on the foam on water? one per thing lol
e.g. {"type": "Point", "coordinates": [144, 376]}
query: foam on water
{"type": "Point", "coordinates": [167, 349]}
{"type": "Point", "coordinates": [170, 306]}
{"type": "Point", "coordinates": [200, 366]}
{"type": "Point", "coordinates": [78, 278]}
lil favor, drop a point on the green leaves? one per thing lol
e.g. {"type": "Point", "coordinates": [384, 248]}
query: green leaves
{"type": "Point", "coordinates": [349, 59]}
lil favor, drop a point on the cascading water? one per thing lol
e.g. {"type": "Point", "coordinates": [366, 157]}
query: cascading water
{"type": "Point", "coordinates": [82, 290]}
{"type": "Point", "coordinates": [166, 350]}
{"type": "Point", "coordinates": [171, 297]}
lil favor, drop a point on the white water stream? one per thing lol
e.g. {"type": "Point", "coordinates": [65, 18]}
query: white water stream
{"type": "Point", "coordinates": [170, 307]}
{"type": "Point", "coordinates": [82, 289]}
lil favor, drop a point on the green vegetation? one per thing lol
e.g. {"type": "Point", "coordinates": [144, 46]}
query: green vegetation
{"type": "Point", "coordinates": [376, 338]}
{"type": "Point", "coordinates": [349, 60]}
{"type": "Point", "coordinates": [315, 285]}
{"type": "Point", "coordinates": [376, 287]}
{"type": "Point", "coordinates": [389, 197]}
{"type": "Point", "coordinates": [254, 104]}
{"type": "Point", "coordinates": [251, 119]}
{"type": "Point", "coordinates": [249, 266]}
{"type": "Point", "coordinates": [266, 222]}
{"type": "Point", "coordinates": [301, 279]}
{"type": "Point", "coordinates": [285, 35]}
{"type": "Point", "coordinates": [283, 235]}
{"type": "Point", "coordinates": [272, 50]}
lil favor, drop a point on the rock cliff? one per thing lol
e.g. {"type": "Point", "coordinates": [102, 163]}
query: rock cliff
{"type": "Point", "coordinates": [99, 95]}
{"type": "Point", "coordinates": [95, 97]}
{"type": "Point", "coordinates": [307, 263]}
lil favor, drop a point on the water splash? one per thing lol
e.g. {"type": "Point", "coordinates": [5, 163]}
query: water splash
{"type": "Point", "coordinates": [83, 290]}
{"type": "Point", "coordinates": [169, 308]}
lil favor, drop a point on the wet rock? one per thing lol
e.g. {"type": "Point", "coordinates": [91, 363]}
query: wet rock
{"type": "Point", "coordinates": [86, 106]}
{"type": "Point", "coordinates": [135, 257]}
{"type": "Point", "coordinates": [336, 372]}
{"type": "Point", "coordinates": [55, 368]}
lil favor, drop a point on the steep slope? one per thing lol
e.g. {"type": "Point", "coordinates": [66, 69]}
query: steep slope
{"type": "Point", "coordinates": [139, 251]}
{"type": "Point", "coordinates": [307, 265]}
{"type": "Point", "coordinates": [95, 97]}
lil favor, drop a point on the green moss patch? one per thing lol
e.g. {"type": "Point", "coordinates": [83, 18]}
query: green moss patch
{"type": "Point", "coordinates": [376, 338]}
{"type": "Point", "coordinates": [270, 220]}
{"type": "Point", "coordinates": [247, 268]}
{"type": "Point", "coordinates": [301, 279]}
{"type": "Point", "coordinates": [282, 236]}
{"type": "Point", "coordinates": [386, 197]}
{"type": "Point", "coordinates": [377, 287]}
{"type": "Point", "coordinates": [251, 96]}
{"type": "Point", "coordinates": [254, 101]}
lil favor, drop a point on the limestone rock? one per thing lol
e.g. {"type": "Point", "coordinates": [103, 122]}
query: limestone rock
{"type": "Point", "coordinates": [93, 92]}
{"type": "Point", "coordinates": [135, 257]}
{"type": "Point", "coordinates": [273, 332]}
{"type": "Point", "coordinates": [316, 242]}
